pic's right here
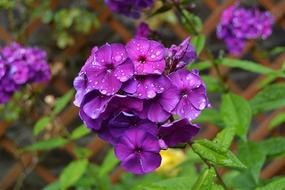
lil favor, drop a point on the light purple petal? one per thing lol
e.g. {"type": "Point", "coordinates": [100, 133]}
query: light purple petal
{"type": "Point", "coordinates": [124, 71]}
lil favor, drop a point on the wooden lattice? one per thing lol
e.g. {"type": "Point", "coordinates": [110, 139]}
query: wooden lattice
{"type": "Point", "coordinates": [26, 160]}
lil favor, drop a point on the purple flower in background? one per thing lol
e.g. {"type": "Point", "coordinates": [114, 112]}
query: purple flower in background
{"type": "Point", "coordinates": [147, 56]}
{"type": "Point", "coordinates": [19, 66]}
{"type": "Point", "coordinates": [238, 24]}
{"type": "Point", "coordinates": [130, 8]}
{"type": "Point", "coordinates": [181, 55]}
{"type": "Point", "coordinates": [139, 151]}
{"type": "Point", "coordinates": [19, 72]}
{"type": "Point", "coordinates": [179, 131]}
{"type": "Point", "coordinates": [117, 126]}
{"type": "Point", "coordinates": [146, 87]}
{"type": "Point", "coordinates": [109, 69]}
{"type": "Point", "coordinates": [192, 93]}
{"type": "Point", "coordinates": [143, 30]}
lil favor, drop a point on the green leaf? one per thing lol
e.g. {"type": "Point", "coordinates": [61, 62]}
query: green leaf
{"type": "Point", "coordinates": [277, 120]}
{"type": "Point", "coordinates": [161, 10]}
{"type": "Point", "coordinates": [109, 163]}
{"type": "Point", "coordinates": [217, 187]}
{"type": "Point", "coordinates": [212, 84]}
{"type": "Point", "coordinates": [210, 116]}
{"type": "Point", "coordinates": [53, 186]}
{"type": "Point", "coordinates": [40, 124]}
{"type": "Point", "coordinates": [198, 42]}
{"type": "Point", "coordinates": [273, 146]}
{"type": "Point", "coordinates": [206, 180]}
{"type": "Point", "coordinates": [225, 137]}
{"type": "Point", "coordinates": [239, 180]}
{"type": "Point", "coordinates": [271, 97]}
{"type": "Point", "coordinates": [72, 173]}
{"type": "Point", "coordinates": [79, 132]}
{"type": "Point", "coordinates": [62, 102]}
{"type": "Point", "coordinates": [47, 144]}
{"type": "Point", "coordinates": [275, 184]}
{"type": "Point", "coordinates": [246, 65]}
{"type": "Point", "coordinates": [47, 16]}
{"type": "Point", "coordinates": [277, 50]}
{"type": "Point", "coordinates": [199, 65]}
{"type": "Point", "coordinates": [216, 154]}
{"type": "Point", "coordinates": [181, 183]}
{"type": "Point", "coordinates": [82, 152]}
{"type": "Point", "coordinates": [253, 156]}
{"type": "Point", "coordinates": [236, 113]}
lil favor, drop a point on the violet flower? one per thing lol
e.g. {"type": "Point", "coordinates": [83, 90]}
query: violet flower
{"type": "Point", "coordinates": [20, 66]}
{"type": "Point", "coordinates": [131, 8]}
{"type": "Point", "coordinates": [177, 132]}
{"type": "Point", "coordinates": [139, 151]}
{"type": "Point", "coordinates": [147, 56]}
{"type": "Point", "coordinates": [110, 68]}
{"type": "Point", "coordinates": [192, 93]}
{"type": "Point", "coordinates": [238, 24]}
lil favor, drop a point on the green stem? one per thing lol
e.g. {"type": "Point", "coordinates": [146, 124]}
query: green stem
{"type": "Point", "coordinates": [210, 165]}
{"type": "Point", "coordinates": [181, 12]}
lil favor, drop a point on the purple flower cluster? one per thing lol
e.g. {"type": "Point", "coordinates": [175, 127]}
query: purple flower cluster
{"type": "Point", "coordinates": [129, 94]}
{"type": "Point", "coordinates": [131, 8]}
{"type": "Point", "coordinates": [19, 66]}
{"type": "Point", "coordinates": [237, 25]}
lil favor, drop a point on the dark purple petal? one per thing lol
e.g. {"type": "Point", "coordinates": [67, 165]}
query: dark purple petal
{"type": "Point", "coordinates": [180, 131]}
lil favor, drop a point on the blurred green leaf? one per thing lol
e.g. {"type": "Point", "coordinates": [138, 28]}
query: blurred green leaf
{"type": "Point", "coordinates": [216, 154]}
{"type": "Point", "coordinates": [108, 164]}
{"type": "Point", "coordinates": [277, 50]}
{"type": "Point", "coordinates": [273, 146]}
{"type": "Point", "coordinates": [206, 180]}
{"type": "Point", "coordinates": [72, 173]}
{"type": "Point", "coordinates": [277, 120]}
{"type": "Point", "coordinates": [275, 184]}
{"type": "Point", "coordinates": [236, 113]}
{"type": "Point", "coordinates": [82, 152]}
{"type": "Point", "coordinates": [52, 186]}
{"type": "Point", "coordinates": [79, 132]}
{"type": "Point", "coordinates": [269, 98]}
{"type": "Point", "coordinates": [210, 115]}
{"type": "Point", "coordinates": [63, 101]}
{"type": "Point", "coordinates": [202, 65]}
{"type": "Point", "coordinates": [239, 180]}
{"type": "Point", "coordinates": [198, 42]}
{"type": "Point", "coordinates": [253, 156]}
{"type": "Point", "coordinates": [192, 23]}
{"type": "Point", "coordinates": [47, 16]}
{"type": "Point", "coordinates": [40, 124]}
{"type": "Point", "coordinates": [64, 39]}
{"type": "Point", "coordinates": [161, 10]}
{"type": "Point", "coordinates": [181, 183]}
{"type": "Point", "coordinates": [268, 79]}
{"type": "Point", "coordinates": [246, 65]}
{"type": "Point", "coordinates": [217, 187]}
{"type": "Point", "coordinates": [47, 144]}
{"type": "Point", "coordinates": [212, 84]}
{"type": "Point", "coordinates": [225, 137]}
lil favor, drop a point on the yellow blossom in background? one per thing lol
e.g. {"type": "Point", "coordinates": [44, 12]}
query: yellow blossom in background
{"type": "Point", "coordinates": [171, 158]}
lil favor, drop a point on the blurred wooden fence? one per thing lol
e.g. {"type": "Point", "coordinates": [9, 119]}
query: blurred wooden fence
{"type": "Point", "coordinates": [26, 160]}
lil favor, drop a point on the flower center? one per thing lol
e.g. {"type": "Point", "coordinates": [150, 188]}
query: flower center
{"type": "Point", "coordinates": [142, 59]}
{"type": "Point", "coordinates": [110, 68]}
{"type": "Point", "coordinates": [138, 150]}
{"type": "Point", "coordinates": [184, 93]}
